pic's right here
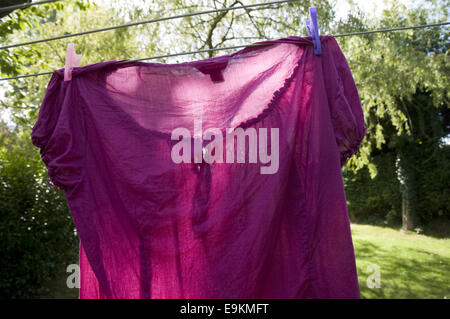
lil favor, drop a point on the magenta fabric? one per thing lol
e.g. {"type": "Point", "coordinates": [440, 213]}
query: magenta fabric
{"type": "Point", "coordinates": [151, 228]}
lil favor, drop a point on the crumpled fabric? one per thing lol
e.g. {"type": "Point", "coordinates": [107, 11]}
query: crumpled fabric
{"type": "Point", "coordinates": [152, 228]}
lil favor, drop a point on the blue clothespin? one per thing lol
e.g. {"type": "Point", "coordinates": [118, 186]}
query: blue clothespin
{"type": "Point", "coordinates": [313, 30]}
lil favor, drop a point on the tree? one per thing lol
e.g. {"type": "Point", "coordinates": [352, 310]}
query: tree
{"type": "Point", "coordinates": [37, 232]}
{"type": "Point", "coordinates": [37, 237]}
{"type": "Point", "coordinates": [403, 84]}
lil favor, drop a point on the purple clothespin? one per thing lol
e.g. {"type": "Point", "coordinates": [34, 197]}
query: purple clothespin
{"type": "Point", "coordinates": [313, 30]}
{"type": "Point", "coordinates": [72, 60]}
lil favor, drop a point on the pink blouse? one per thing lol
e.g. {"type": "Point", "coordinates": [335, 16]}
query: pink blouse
{"type": "Point", "coordinates": [266, 218]}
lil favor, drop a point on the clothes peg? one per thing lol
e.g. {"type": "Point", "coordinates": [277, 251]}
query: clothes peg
{"type": "Point", "coordinates": [313, 30]}
{"type": "Point", "coordinates": [72, 60]}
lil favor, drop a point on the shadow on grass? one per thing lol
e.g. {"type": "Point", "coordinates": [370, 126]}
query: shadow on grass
{"type": "Point", "coordinates": [405, 272]}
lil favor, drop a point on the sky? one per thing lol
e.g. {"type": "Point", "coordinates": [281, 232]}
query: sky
{"type": "Point", "coordinates": [343, 7]}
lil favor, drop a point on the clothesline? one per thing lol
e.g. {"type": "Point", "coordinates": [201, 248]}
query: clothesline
{"type": "Point", "coordinates": [242, 46]}
{"type": "Point", "coordinates": [245, 45]}
{"type": "Point", "coordinates": [132, 24]}
{"type": "Point", "coordinates": [197, 51]}
{"type": "Point", "coordinates": [256, 44]}
{"type": "Point", "coordinates": [26, 5]}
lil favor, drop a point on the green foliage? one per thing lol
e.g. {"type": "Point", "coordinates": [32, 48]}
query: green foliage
{"type": "Point", "coordinates": [37, 236]}
{"type": "Point", "coordinates": [23, 97]}
{"type": "Point", "coordinates": [392, 67]}
{"type": "Point", "coordinates": [402, 79]}
{"type": "Point", "coordinates": [27, 21]}
{"type": "Point", "coordinates": [378, 200]}
{"type": "Point", "coordinates": [434, 187]}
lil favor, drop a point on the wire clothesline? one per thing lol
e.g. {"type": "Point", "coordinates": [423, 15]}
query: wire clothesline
{"type": "Point", "coordinates": [25, 5]}
{"type": "Point", "coordinates": [132, 24]}
{"type": "Point", "coordinates": [246, 45]}
{"type": "Point", "coordinates": [197, 51]}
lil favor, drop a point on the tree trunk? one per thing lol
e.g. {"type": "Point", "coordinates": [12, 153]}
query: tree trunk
{"type": "Point", "coordinates": [408, 183]}
{"type": "Point", "coordinates": [407, 222]}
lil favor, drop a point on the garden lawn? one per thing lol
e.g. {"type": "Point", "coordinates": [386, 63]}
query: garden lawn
{"type": "Point", "coordinates": [411, 265]}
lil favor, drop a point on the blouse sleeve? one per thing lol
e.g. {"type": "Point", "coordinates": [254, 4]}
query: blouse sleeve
{"type": "Point", "coordinates": [345, 106]}
{"type": "Point", "coordinates": [59, 133]}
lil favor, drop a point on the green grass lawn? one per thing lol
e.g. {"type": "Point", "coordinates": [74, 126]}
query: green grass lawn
{"type": "Point", "coordinates": [411, 265]}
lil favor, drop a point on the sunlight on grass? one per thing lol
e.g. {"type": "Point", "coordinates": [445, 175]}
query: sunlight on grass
{"type": "Point", "coordinates": [411, 265]}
